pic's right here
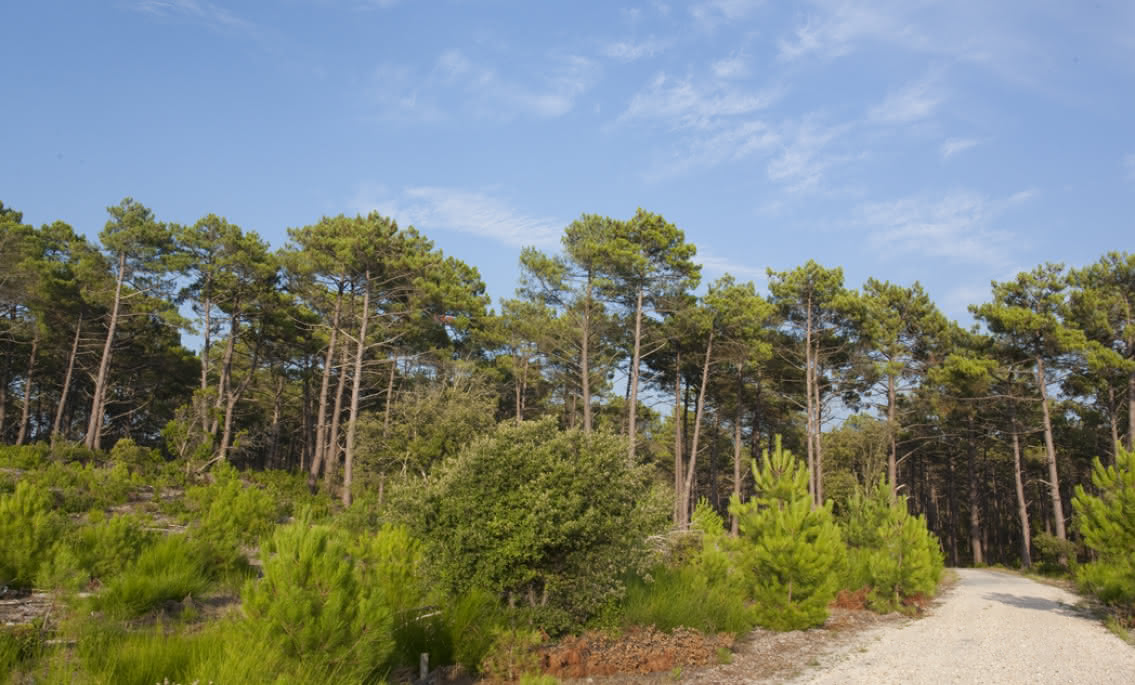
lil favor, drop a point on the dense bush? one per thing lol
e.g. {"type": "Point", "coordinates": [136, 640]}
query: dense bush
{"type": "Point", "coordinates": [99, 549]}
{"type": "Point", "coordinates": [889, 551]}
{"type": "Point", "coordinates": [228, 516]}
{"type": "Point", "coordinates": [549, 519]}
{"type": "Point", "coordinates": [1107, 522]}
{"type": "Point", "coordinates": [794, 552]}
{"type": "Point", "coordinates": [29, 526]}
{"type": "Point", "coordinates": [23, 456]}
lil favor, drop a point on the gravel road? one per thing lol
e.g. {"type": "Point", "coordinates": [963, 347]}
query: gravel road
{"type": "Point", "coordinates": [990, 628]}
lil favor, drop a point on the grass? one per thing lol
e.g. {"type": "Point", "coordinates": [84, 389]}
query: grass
{"type": "Point", "coordinates": [685, 597]}
{"type": "Point", "coordinates": [169, 570]}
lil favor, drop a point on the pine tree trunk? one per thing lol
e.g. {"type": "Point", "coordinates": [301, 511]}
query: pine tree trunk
{"type": "Point", "coordinates": [1022, 505]}
{"type": "Point", "coordinates": [714, 492]}
{"type": "Point", "coordinates": [974, 511]}
{"type": "Point", "coordinates": [230, 403]}
{"type": "Point", "coordinates": [687, 486]}
{"type": "Point", "coordinates": [585, 361]}
{"type": "Point", "coordinates": [734, 524]}
{"type": "Point", "coordinates": [331, 452]}
{"type": "Point", "coordinates": [28, 384]}
{"type": "Point", "coordinates": [811, 430]}
{"type": "Point", "coordinates": [389, 397]}
{"type": "Point", "coordinates": [207, 334]}
{"type": "Point", "coordinates": [819, 436]}
{"type": "Point", "coordinates": [94, 427]}
{"type": "Point", "coordinates": [1050, 450]}
{"type": "Point", "coordinates": [678, 463]}
{"type": "Point", "coordinates": [633, 388]}
{"type": "Point", "coordinates": [225, 380]}
{"type": "Point", "coordinates": [57, 425]}
{"type": "Point", "coordinates": [892, 429]}
{"type": "Point", "coordinates": [1131, 412]}
{"type": "Point", "coordinates": [1113, 420]}
{"type": "Point", "coordinates": [356, 389]}
{"type": "Point", "coordinates": [321, 415]}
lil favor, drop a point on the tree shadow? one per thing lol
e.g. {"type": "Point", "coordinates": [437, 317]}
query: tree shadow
{"type": "Point", "coordinates": [1038, 604]}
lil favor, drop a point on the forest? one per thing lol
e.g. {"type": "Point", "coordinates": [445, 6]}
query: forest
{"type": "Point", "coordinates": [345, 440]}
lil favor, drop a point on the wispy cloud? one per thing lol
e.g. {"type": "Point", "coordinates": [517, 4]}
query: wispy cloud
{"type": "Point", "coordinates": [694, 103]}
{"type": "Point", "coordinates": [733, 67]}
{"type": "Point", "coordinates": [716, 264]}
{"type": "Point", "coordinates": [1129, 165]}
{"type": "Point", "coordinates": [804, 154]}
{"type": "Point", "coordinates": [913, 102]}
{"type": "Point", "coordinates": [465, 211]}
{"type": "Point", "coordinates": [713, 12]}
{"type": "Point", "coordinates": [632, 51]}
{"type": "Point", "coordinates": [482, 90]}
{"type": "Point", "coordinates": [836, 27]}
{"type": "Point", "coordinates": [954, 146]}
{"type": "Point", "coordinates": [206, 13]}
{"type": "Point", "coordinates": [960, 226]}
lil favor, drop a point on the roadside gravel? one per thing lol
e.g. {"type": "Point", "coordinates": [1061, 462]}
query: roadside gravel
{"type": "Point", "coordinates": [992, 628]}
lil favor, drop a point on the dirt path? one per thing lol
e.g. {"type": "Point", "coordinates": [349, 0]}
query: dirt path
{"type": "Point", "coordinates": [991, 628]}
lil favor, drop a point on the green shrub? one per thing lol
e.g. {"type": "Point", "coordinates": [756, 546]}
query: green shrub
{"type": "Point", "coordinates": [1053, 553]}
{"type": "Point", "coordinates": [705, 592]}
{"type": "Point", "coordinates": [890, 551]}
{"type": "Point", "coordinates": [228, 516]}
{"type": "Point", "coordinates": [1107, 522]}
{"type": "Point", "coordinates": [25, 457]}
{"type": "Point", "coordinates": [551, 520]}
{"type": "Point", "coordinates": [81, 487]}
{"type": "Point", "coordinates": [792, 551]}
{"type": "Point", "coordinates": [170, 570]}
{"type": "Point", "coordinates": [20, 647]}
{"type": "Point", "coordinates": [135, 458]}
{"type": "Point", "coordinates": [513, 655]}
{"type": "Point", "coordinates": [99, 549]}
{"type": "Point", "coordinates": [313, 605]}
{"type": "Point", "coordinates": [28, 529]}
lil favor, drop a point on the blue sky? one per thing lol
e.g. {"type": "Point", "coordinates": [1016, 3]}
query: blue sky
{"type": "Point", "coordinates": [948, 142]}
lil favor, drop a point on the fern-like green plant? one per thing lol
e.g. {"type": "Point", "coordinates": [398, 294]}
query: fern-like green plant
{"type": "Point", "coordinates": [29, 526]}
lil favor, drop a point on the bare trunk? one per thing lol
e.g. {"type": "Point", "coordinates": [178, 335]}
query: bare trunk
{"type": "Point", "coordinates": [207, 334]}
{"type": "Point", "coordinates": [687, 486]}
{"type": "Point", "coordinates": [892, 429]}
{"type": "Point", "coordinates": [819, 435]}
{"type": "Point", "coordinates": [356, 388]}
{"type": "Point", "coordinates": [1050, 451]}
{"type": "Point", "coordinates": [677, 438]}
{"type": "Point", "coordinates": [225, 380]}
{"type": "Point", "coordinates": [94, 427]}
{"type": "Point", "coordinates": [389, 397]}
{"type": "Point", "coordinates": [28, 384]}
{"type": "Point", "coordinates": [321, 415]}
{"type": "Point", "coordinates": [57, 425]}
{"type": "Point", "coordinates": [974, 510]}
{"type": "Point", "coordinates": [331, 453]}
{"type": "Point", "coordinates": [811, 428]}
{"type": "Point", "coordinates": [231, 401]}
{"type": "Point", "coordinates": [714, 491]}
{"type": "Point", "coordinates": [633, 388]}
{"type": "Point", "coordinates": [1131, 412]}
{"type": "Point", "coordinates": [584, 363]}
{"type": "Point", "coordinates": [734, 524]}
{"type": "Point", "coordinates": [1113, 420]}
{"type": "Point", "coordinates": [1022, 505]}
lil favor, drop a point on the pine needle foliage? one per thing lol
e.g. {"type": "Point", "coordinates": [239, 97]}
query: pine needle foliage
{"type": "Point", "coordinates": [889, 551]}
{"type": "Point", "coordinates": [28, 528]}
{"type": "Point", "coordinates": [1107, 523]}
{"type": "Point", "coordinates": [794, 552]}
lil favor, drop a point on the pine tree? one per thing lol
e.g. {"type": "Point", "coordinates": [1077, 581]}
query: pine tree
{"type": "Point", "coordinates": [795, 550]}
{"type": "Point", "coordinates": [1107, 522]}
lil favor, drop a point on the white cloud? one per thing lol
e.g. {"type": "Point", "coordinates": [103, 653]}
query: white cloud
{"type": "Point", "coordinates": [953, 146]}
{"type": "Point", "coordinates": [712, 12]}
{"type": "Point", "coordinates": [914, 102]}
{"type": "Point", "coordinates": [213, 16]}
{"type": "Point", "coordinates": [961, 226]}
{"type": "Point", "coordinates": [629, 51]}
{"type": "Point", "coordinates": [690, 103]}
{"type": "Point", "coordinates": [483, 91]}
{"type": "Point", "coordinates": [465, 211]}
{"type": "Point", "coordinates": [804, 156]}
{"type": "Point", "coordinates": [716, 264]}
{"type": "Point", "coordinates": [838, 26]}
{"type": "Point", "coordinates": [733, 67]}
